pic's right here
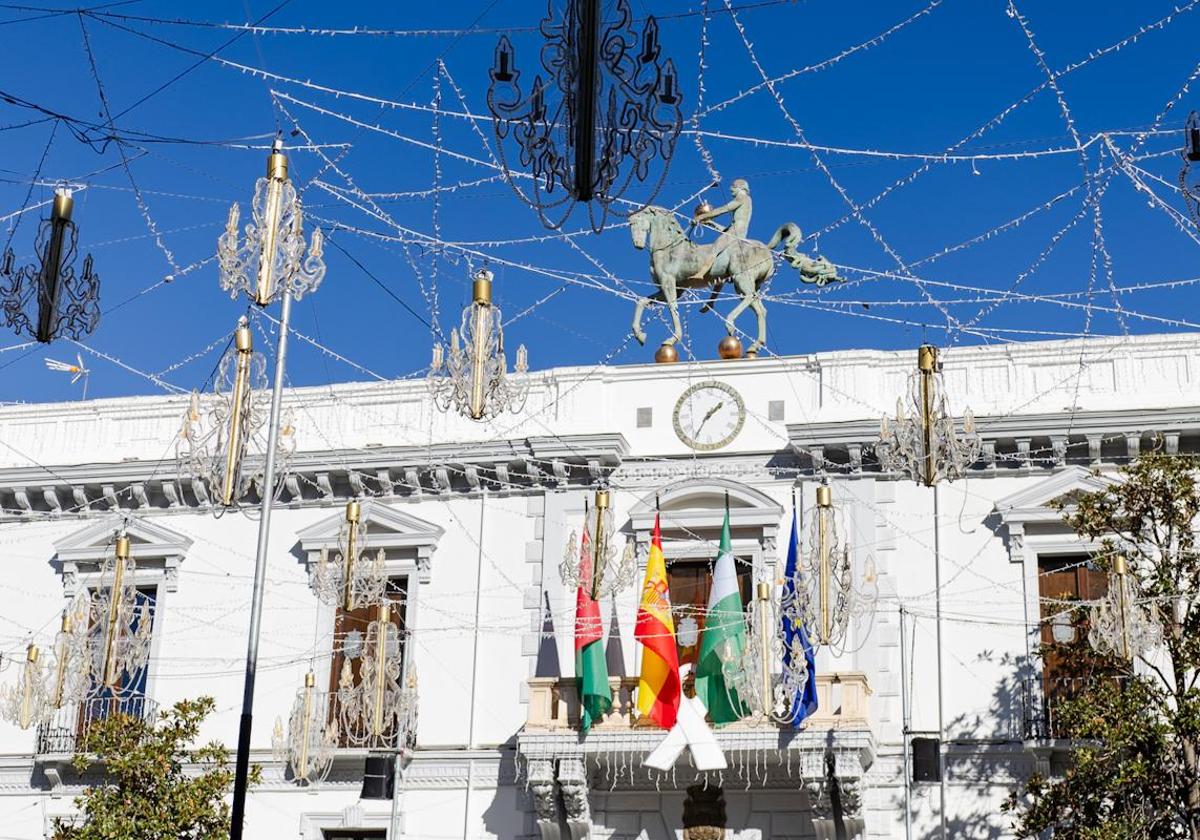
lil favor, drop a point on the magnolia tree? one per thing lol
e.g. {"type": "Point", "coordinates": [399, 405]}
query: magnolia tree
{"type": "Point", "coordinates": [154, 783]}
{"type": "Point", "coordinates": [1135, 769]}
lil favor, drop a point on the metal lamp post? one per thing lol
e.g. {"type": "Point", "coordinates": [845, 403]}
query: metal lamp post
{"type": "Point", "coordinates": [269, 264]}
{"type": "Point", "coordinates": [923, 441]}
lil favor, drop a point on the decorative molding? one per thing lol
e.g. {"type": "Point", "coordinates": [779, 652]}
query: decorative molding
{"type": "Point", "coordinates": [408, 541]}
{"type": "Point", "coordinates": [157, 550]}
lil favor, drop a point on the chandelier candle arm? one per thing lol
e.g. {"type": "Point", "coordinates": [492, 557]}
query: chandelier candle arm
{"type": "Point", "coordinates": [277, 175]}
{"type": "Point", "coordinates": [62, 657]}
{"type": "Point", "coordinates": [243, 340]}
{"type": "Point", "coordinates": [50, 285]}
{"type": "Point", "coordinates": [32, 678]}
{"type": "Point", "coordinates": [113, 631]}
{"type": "Point", "coordinates": [481, 315]}
{"type": "Point", "coordinates": [600, 546]}
{"type": "Point", "coordinates": [381, 637]}
{"type": "Point", "coordinates": [824, 511]}
{"type": "Point", "coordinates": [353, 515]}
{"type": "Point", "coordinates": [762, 593]}
{"type": "Point", "coordinates": [926, 365]}
{"type": "Point", "coordinates": [309, 687]}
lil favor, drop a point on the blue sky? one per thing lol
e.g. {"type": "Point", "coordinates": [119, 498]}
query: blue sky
{"type": "Point", "coordinates": [923, 87]}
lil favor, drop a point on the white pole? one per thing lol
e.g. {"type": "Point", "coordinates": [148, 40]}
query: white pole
{"type": "Point", "coordinates": [474, 673]}
{"type": "Point", "coordinates": [937, 582]}
{"type": "Point", "coordinates": [242, 768]}
{"type": "Point", "coordinates": [905, 725]}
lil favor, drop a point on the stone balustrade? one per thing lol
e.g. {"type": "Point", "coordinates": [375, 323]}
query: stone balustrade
{"type": "Point", "coordinates": [554, 704]}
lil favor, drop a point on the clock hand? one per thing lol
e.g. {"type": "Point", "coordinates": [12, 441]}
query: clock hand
{"type": "Point", "coordinates": [709, 415]}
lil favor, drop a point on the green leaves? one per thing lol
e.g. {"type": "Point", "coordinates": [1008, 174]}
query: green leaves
{"type": "Point", "coordinates": [154, 785]}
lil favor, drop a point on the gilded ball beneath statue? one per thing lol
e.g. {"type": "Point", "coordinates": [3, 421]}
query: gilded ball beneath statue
{"type": "Point", "coordinates": [702, 207]}
{"type": "Point", "coordinates": [666, 354]}
{"type": "Point", "coordinates": [730, 347]}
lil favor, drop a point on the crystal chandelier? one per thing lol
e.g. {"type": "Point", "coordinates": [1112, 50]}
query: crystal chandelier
{"type": "Point", "coordinates": [220, 430]}
{"type": "Point", "coordinates": [119, 637]}
{"type": "Point", "coordinates": [25, 703]}
{"type": "Point", "coordinates": [926, 443]}
{"type": "Point", "coordinates": [594, 563]}
{"type": "Point", "coordinates": [71, 655]}
{"type": "Point", "coordinates": [1191, 154]}
{"type": "Point", "coordinates": [379, 709]}
{"type": "Point", "coordinates": [271, 259]}
{"type": "Point", "coordinates": [829, 601]}
{"type": "Point", "coordinates": [1120, 627]}
{"type": "Point", "coordinates": [619, 110]}
{"type": "Point", "coordinates": [312, 735]}
{"type": "Point", "coordinates": [354, 577]}
{"type": "Point", "coordinates": [472, 376]}
{"type": "Point", "coordinates": [750, 675]}
{"type": "Point", "coordinates": [47, 299]}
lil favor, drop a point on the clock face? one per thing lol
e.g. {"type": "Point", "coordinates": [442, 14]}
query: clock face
{"type": "Point", "coordinates": [709, 415]}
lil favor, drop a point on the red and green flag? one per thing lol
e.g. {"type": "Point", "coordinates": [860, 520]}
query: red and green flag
{"type": "Point", "coordinates": [591, 669]}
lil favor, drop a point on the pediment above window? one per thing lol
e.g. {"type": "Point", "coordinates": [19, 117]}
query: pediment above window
{"type": "Point", "coordinates": [156, 549]}
{"type": "Point", "coordinates": [1034, 524]}
{"type": "Point", "coordinates": [408, 541]}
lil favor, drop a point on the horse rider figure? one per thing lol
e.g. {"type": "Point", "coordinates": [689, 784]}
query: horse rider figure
{"type": "Point", "coordinates": [742, 207]}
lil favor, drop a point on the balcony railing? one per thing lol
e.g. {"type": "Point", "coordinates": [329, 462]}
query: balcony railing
{"type": "Point", "coordinates": [66, 733]}
{"type": "Point", "coordinates": [554, 704]}
{"type": "Point", "coordinates": [1040, 702]}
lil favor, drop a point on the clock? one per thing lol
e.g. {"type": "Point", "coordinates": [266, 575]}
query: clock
{"type": "Point", "coordinates": [709, 415]}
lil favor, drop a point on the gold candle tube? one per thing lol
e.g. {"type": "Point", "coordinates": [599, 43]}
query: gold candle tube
{"type": "Point", "coordinates": [353, 514]}
{"type": "Point", "coordinates": [277, 175]}
{"type": "Point", "coordinates": [385, 618]}
{"type": "Point", "coordinates": [1120, 570]}
{"type": "Point", "coordinates": [599, 542]}
{"type": "Point", "coordinates": [244, 343]}
{"type": "Point", "coordinates": [302, 762]}
{"type": "Point", "coordinates": [113, 630]}
{"type": "Point", "coordinates": [824, 510]}
{"type": "Point", "coordinates": [31, 677]}
{"type": "Point", "coordinates": [481, 327]}
{"type": "Point", "coordinates": [763, 593]}
{"type": "Point", "coordinates": [60, 665]}
{"type": "Point", "coordinates": [926, 365]}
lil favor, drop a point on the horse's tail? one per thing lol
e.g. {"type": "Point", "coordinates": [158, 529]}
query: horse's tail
{"type": "Point", "coordinates": [790, 236]}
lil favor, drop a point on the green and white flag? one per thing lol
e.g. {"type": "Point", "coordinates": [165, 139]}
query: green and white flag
{"type": "Point", "coordinates": [723, 639]}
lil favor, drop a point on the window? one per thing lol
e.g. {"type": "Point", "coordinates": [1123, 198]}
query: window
{"type": "Point", "coordinates": [128, 696]}
{"type": "Point", "coordinates": [1068, 663]}
{"type": "Point", "coordinates": [690, 583]}
{"type": "Point", "coordinates": [350, 633]}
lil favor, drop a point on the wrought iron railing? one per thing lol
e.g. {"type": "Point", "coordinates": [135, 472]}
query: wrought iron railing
{"type": "Point", "coordinates": [1040, 699]}
{"type": "Point", "coordinates": [67, 731]}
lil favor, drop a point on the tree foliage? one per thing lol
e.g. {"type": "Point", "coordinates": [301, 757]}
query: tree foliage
{"type": "Point", "coordinates": [154, 785]}
{"type": "Point", "coordinates": [1134, 770]}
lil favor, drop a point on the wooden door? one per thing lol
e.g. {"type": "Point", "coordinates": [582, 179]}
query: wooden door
{"type": "Point", "coordinates": [350, 634]}
{"type": "Point", "coordinates": [690, 583]}
{"type": "Point", "coordinates": [1068, 662]}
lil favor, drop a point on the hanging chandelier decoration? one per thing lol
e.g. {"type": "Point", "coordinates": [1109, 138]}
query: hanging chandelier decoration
{"type": "Point", "coordinates": [221, 430]}
{"type": "Point", "coordinates": [271, 259]}
{"type": "Point", "coordinates": [354, 577]}
{"type": "Point", "coordinates": [608, 108]}
{"type": "Point", "coordinates": [472, 374]}
{"type": "Point", "coordinates": [926, 443]}
{"type": "Point", "coordinates": [596, 564]}
{"type": "Point", "coordinates": [1191, 154]}
{"type": "Point", "coordinates": [24, 704]}
{"type": "Point", "coordinates": [379, 709]}
{"type": "Point", "coordinates": [311, 741]}
{"type": "Point", "coordinates": [1120, 626]}
{"type": "Point", "coordinates": [47, 299]}
{"type": "Point", "coordinates": [750, 674]}
{"type": "Point", "coordinates": [120, 624]}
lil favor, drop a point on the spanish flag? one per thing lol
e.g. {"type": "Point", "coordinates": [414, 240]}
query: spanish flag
{"type": "Point", "coordinates": [659, 688]}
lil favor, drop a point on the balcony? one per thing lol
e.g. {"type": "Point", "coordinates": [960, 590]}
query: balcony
{"type": "Point", "coordinates": [66, 733]}
{"type": "Point", "coordinates": [554, 705]}
{"type": "Point", "coordinates": [754, 747]}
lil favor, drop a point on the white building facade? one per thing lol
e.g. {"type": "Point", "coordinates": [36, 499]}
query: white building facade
{"type": "Point", "coordinates": [473, 520]}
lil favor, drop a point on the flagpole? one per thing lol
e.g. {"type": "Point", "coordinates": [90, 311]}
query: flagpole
{"type": "Point", "coordinates": [474, 671]}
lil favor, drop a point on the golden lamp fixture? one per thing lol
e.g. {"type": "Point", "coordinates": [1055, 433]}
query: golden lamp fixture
{"type": "Point", "coordinates": [354, 577]}
{"type": "Point", "coordinates": [923, 440]}
{"type": "Point", "coordinates": [223, 434]}
{"type": "Point", "coordinates": [472, 374]}
{"type": "Point", "coordinates": [271, 258]}
{"type": "Point", "coordinates": [593, 560]}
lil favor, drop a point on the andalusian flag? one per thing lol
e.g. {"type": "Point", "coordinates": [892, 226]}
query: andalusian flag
{"type": "Point", "coordinates": [723, 638]}
{"type": "Point", "coordinates": [659, 689]}
{"type": "Point", "coordinates": [591, 670]}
